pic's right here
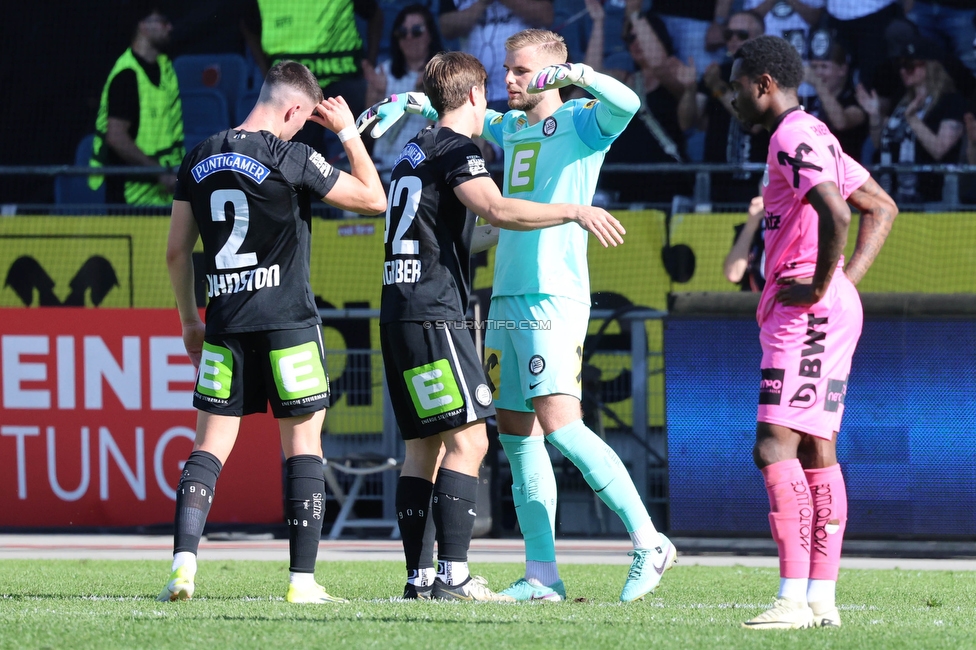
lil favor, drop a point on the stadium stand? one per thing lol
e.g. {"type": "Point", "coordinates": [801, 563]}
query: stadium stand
{"type": "Point", "coordinates": [74, 190]}
{"type": "Point", "coordinates": [204, 113]}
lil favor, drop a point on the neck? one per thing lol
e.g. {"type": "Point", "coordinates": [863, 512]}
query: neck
{"type": "Point", "coordinates": [779, 105]}
{"type": "Point", "coordinates": [549, 104]}
{"type": "Point", "coordinates": [262, 118]}
{"type": "Point", "coordinates": [144, 49]}
{"type": "Point", "coordinates": [649, 77]}
{"type": "Point", "coordinates": [415, 65]}
{"type": "Point", "coordinates": [460, 121]}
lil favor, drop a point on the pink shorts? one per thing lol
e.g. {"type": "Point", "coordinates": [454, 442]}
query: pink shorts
{"type": "Point", "coordinates": [807, 359]}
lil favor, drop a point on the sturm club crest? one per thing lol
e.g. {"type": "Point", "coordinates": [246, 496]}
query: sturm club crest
{"type": "Point", "coordinates": [549, 126]}
{"type": "Point", "coordinates": [537, 364]}
{"type": "Point", "coordinates": [483, 394]}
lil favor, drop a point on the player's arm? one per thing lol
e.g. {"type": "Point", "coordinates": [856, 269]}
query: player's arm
{"type": "Point", "coordinates": [617, 105]}
{"type": "Point", "coordinates": [737, 261]}
{"type": "Point", "coordinates": [482, 197]}
{"type": "Point", "coordinates": [878, 212]}
{"type": "Point", "coordinates": [360, 190]}
{"type": "Point", "coordinates": [183, 234]}
{"type": "Point", "coordinates": [834, 219]}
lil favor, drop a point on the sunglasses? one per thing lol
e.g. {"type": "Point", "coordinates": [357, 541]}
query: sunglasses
{"type": "Point", "coordinates": [741, 34]}
{"type": "Point", "coordinates": [416, 31]}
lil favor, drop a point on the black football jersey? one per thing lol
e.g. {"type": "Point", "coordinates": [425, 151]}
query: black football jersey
{"type": "Point", "coordinates": [427, 267]}
{"type": "Point", "coordinates": [251, 195]}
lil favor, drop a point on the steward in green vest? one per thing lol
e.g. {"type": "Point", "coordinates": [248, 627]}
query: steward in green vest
{"type": "Point", "coordinates": [140, 123]}
{"type": "Point", "coordinates": [322, 35]}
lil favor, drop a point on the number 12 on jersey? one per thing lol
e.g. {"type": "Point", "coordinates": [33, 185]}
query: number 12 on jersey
{"type": "Point", "coordinates": [403, 202]}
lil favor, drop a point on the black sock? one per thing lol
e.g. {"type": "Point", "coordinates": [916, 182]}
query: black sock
{"type": "Point", "coordinates": [415, 522]}
{"type": "Point", "coordinates": [455, 495]}
{"type": "Point", "coordinates": [305, 508]}
{"type": "Point", "coordinates": [194, 495]}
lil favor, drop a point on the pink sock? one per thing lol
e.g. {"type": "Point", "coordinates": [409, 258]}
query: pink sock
{"type": "Point", "coordinates": [790, 517]}
{"type": "Point", "coordinates": [830, 520]}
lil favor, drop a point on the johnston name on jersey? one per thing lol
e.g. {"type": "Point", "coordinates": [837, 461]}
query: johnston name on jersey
{"type": "Point", "coordinates": [427, 270]}
{"type": "Point", "coordinates": [251, 195]}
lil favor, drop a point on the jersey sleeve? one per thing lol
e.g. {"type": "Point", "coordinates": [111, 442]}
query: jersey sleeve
{"type": "Point", "coordinates": [805, 160]}
{"type": "Point", "coordinates": [123, 96]}
{"type": "Point", "coordinates": [854, 176]}
{"type": "Point", "coordinates": [306, 168]}
{"type": "Point", "coordinates": [463, 162]}
{"type": "Point", "coordinates": [181, 192]}
{"type": "Point", "coordinates": [493, 131]}
{"type": "Point", "coordinates": [587, 119]}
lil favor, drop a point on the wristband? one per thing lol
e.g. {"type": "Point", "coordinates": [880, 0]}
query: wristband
{"type": "Point", "coordinates": [348, 133]}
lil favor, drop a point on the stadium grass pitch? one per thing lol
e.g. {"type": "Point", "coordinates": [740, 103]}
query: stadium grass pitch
{"type": "Point", "coordinates": [240, 604]}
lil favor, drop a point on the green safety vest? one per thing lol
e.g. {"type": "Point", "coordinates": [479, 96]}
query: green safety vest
{"type": "Point", "coordinates": [160, 133]}
{"type": "Point", "coordinates": [322, 35]}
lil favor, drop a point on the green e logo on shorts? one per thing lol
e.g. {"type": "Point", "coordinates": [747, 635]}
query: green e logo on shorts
{"type": "Point", "coordinates": [522, 172]}
{"type": "Point", "coordinates": [216, 370]}
{"type": "Point", "coordinates": [298, 371]}
{"type": "Point", "coordinates": [433, 388]}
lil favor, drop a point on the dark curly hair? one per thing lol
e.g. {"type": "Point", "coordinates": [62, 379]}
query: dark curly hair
{"type": "Point", "coordinates": [774, 56]}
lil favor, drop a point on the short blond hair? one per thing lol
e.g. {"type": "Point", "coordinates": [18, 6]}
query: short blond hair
{"type": "Point", "coordinates": [449, 76]}
{"type": "Point", "coordinates": [549, 43]}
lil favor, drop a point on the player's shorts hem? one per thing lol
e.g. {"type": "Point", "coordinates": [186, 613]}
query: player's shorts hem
{"type": "Point", "coordinates": [795, 427]}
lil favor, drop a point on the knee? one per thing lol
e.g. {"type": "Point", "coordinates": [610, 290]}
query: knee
{"type": "Point", "coordinates": [472, 448]}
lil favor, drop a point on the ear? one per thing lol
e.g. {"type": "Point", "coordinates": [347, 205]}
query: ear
{"type": "Point", "coordinates": [290, 113]}
{"type": "Point", "coordinates": [764, 83]}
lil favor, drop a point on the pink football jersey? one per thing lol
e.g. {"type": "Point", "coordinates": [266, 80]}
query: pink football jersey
{"type": "Point", "coordinates": [803, 153]}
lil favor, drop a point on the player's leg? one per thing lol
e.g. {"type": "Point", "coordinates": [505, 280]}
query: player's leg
{"type": "Point", "coordinates": [533, 480]}
{"type": "Point", "coordinates": [790, 518]}
{"type": "Point", "coordinates": [219, 397]}
{"type": "Point", "coordinates": [607, 476]}
{"type": "Point", "coordinates": [215, 437]}
{"type": "Point", "coordinates": [819, 459]}
{"type": "Point", "coordinates": [415, 489]}
{"type": "Point", "coordinates": [297, 386]}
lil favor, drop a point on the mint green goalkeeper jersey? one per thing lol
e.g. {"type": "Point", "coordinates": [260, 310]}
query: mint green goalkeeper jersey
{"type": "Point", "coordinates": [557, 160]}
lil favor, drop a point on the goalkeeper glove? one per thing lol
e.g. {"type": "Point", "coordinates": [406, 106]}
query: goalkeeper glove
{"type": "Point", "coordinates": [384, 114]}
{"type": "Point", "coordinates": [560, 75]}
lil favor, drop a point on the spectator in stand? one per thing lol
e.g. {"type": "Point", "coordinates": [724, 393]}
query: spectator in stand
{"type": "Point", "coordinates": [574, 22]}
{"type": "Point", "coordinates": [969, 119]}
{"type": "Point", "coordinates": [483, 27]}
{"type": "Point", "coordinates": [654, 135]}
{"type": "Point", "coordinates": [789, 19]}
{"type": "Point", "coordinates": [324, 37]}
{"type": "Point", "coordinates": [860, 27]}
{"type": "Point", "coordinates": [414, 41]}
{"type": "Point", "coordinates": [140, 118]}
{"type": "Point", "coordinates": [707, 106]}
{"type": "Point", "coordinates": [835, 102]}
{"type": "Point", "coordinates": [925, 127]}
{"type": "Point", "coordinates": [697, 29]}
{"type": "Point", "coordinates": [951, 22]}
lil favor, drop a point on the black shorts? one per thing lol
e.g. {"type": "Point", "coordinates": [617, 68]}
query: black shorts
{"type": "Point", "coordinates": [240, 373]}
{"type": "Point", "coordinates": [436, 380]}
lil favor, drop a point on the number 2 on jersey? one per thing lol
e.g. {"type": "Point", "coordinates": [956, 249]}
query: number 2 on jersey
{"type": "Point", "coordinates": [404, 197]}
{"type": "Point", "coordinates": [228, 257]}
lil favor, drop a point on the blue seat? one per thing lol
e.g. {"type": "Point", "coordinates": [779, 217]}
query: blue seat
{"type": "Point", "coordinates": [74, 189]}
{"type": "Point", "coordinates": [244, 105]}
{"type": "Point", "coordinates": [204, 113]}
{"type": "Point", "coordinates": [227, 73]}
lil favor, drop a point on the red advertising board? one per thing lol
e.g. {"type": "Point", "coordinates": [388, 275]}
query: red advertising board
{"type": "Point", "coordinates": [96, 421]}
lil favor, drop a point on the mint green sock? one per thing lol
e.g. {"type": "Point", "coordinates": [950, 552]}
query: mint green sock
{"type": "Point", "coordinates": [534, 491]}
{"type": "Point", "coordinates": [603, 471]}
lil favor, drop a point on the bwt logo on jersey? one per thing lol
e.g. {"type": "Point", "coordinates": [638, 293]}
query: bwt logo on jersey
{"type": "Point", "coordinates": [412, 153]}
{"type": "Point", "coordinates": [836, 394]}
{"type": "Point", "coordinates": [234, 162]}
{"type": "Point", "coordinates": [771, 385]}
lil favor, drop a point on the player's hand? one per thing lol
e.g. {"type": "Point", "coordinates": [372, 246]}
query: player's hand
{"type": "Point", "coordinates": [333, 113]}
{"type": "Point", "coordinates": [601, 223]}
{"type": "Point", "coordinates": [384, 114]}
{"type": "Point", "coordinates": [193, 340]}
{"type": "Point", "coordinates": [757, 208]}
{"type": "Point", "coordinates": [797, 292]}
{"type": "Point", "coordinates": [559, 76]}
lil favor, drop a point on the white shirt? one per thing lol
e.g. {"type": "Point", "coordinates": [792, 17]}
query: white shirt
{"type": "Point", "coordinates": [387, 148]}
{"type": "Point", "coordinates": [782, 18]}
{"type": "Point", "coordinates": [852, 9]}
